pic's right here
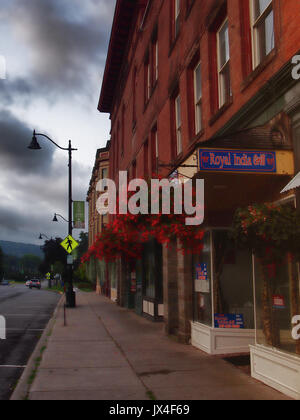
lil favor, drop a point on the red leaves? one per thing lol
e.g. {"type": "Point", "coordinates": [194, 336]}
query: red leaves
{"type": "Point", "coordinates": [125, 236]}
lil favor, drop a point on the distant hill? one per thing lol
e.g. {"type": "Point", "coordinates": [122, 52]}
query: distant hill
{"type": "Point", "coordinates": [18, 249]}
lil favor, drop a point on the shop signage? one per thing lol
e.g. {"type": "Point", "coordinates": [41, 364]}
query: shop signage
{"type": "Point", "coordinates": [278, 302]}
{"type": "Point", "coordinates": [237, 161]}
{"type": "Point", "coordinates": [202, 281]}
{"type": "Point", "coordinates": [229, 321]}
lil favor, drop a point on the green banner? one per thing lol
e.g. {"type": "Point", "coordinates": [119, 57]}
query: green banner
{"type": "Point", "coordinates": [79, 214]}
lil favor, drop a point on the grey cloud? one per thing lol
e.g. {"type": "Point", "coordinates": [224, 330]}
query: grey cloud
{"type": "Point", "coordinates": [34, 198]}
{"type": "Point", "coordinates": [67, 47]}
{"type": "Point", "coordinates": [15, 137]}
{"type": "Point", "coordinates": [21, 225]}
{"type": "Point", "coordinates": [11, 90]}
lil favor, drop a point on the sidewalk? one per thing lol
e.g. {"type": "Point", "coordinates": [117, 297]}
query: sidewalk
{"type": "Point", "coordinates": [109, 353]}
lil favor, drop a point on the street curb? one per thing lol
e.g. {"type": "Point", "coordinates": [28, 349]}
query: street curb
{"type": "Point", "coordinates": [23, 387]}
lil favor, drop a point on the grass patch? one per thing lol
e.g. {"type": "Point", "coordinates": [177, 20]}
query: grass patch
{"type": "Point", "coordinates": [151, 396]}
{"type": "Point", "coordinates": [37, 364]}
{"type": "Point", "coordinates": [56, 289]}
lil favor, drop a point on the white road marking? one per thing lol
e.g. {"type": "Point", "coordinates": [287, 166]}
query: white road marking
{"type": "Point", "coordinates": [12, 366]}
{"type": "Point", "coordinates": [23, 315]}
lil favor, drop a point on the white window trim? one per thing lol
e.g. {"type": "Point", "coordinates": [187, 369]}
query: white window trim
{"type": "Point", "coordinates": [197, 102]}
{"type": "Point", "coordinates": [254, 23]}
{"type": "Point", "coordinates": [176, 17]}
{"type": "Point", "coordinates": [222, 100]}
{"type": "Point", "coordinates": [156, 60]}
{"type": "Point", "coordinates": [178, 126]}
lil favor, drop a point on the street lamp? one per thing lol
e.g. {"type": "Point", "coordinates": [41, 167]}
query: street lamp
{"type": "Point", "coordinates": [42, 235]}
{"type": "Point", "coordinates": [59, 215]}
{"type": "Point", "coordinates": [34, 145]}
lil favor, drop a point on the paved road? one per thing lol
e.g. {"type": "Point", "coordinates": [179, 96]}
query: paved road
{"type": "Point", "coordinates": [27, 313]}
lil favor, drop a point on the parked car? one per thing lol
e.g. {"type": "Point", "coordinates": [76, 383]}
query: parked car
{"type": "Point", "coordinates": [27, 283]}
{"type": "Point", "coordinates": [4, 283]}
{"type": "Point", "coordinates": [35, 283]}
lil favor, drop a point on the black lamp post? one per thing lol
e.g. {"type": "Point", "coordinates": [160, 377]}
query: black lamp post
{"type": "Point", "coordinates": [70, 295]}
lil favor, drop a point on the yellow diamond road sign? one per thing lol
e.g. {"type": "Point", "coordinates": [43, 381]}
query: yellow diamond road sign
{"type": "Point", "coordinates": [69, 244]}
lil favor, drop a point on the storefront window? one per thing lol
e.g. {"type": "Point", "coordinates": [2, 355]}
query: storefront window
{"type": "Point", "coordinates": [277, 302]}
{"type": "Point", "coordinates": [113, 275]}
{"type": "Point", "coordinates": [202, 283]}
{"type": "Point", "coordinates": [101, 272]}
{"type": "Point", "coordinates": [232, 282]}
{"type": "Point", "coordinates": [228, 283]}
{"type": "Point", "coordinates": [150, 269]}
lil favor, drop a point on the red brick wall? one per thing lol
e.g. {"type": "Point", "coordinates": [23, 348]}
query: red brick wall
{"type": "Point", "coordinates": [194, 35]}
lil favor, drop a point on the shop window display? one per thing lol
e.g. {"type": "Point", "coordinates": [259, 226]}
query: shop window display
{"type": "Point", "coordinates": [202, 283]}
{"type": "Point", "coordinates": [223, 275]}
{"type": "Point", "coordinates": [277, 302]}
{"type": "Point", "coordinates": [233, 285]}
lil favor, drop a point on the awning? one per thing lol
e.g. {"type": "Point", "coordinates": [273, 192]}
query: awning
{"type": "Point", "coordinates": [295, 183]}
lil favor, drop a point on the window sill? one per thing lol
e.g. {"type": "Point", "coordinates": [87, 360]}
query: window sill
{"type": "Point", "coordinates": [177, 159]}
{"type": "Point", "coordinates": [221, 111]}
{"type": "Point", "coordinates": [196, 137]}
{"type": "Point", "coordinates": [151, 94]}
{"type": "Point", "coordinates": [258, 70]}
{"type": "Point", "coordinates": [133, 127]}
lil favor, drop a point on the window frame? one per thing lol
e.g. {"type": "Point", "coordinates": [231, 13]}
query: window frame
{"type": "Point", "coordinates": [222, 69]}
{"type": "Point", "coordinates": [178, 124]}
{"type": "Point", "coordinates": [177, 10]}
{"type": "Point", "coordinates": [257, 55]}
{"type": "Point", "coordinates": [198, 127]}
{"type": "Point", "coordinates": [154, 150]}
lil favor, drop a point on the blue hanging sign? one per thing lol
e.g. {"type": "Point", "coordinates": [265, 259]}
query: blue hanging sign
{"type": "Point", "coordinates": [237, 161]}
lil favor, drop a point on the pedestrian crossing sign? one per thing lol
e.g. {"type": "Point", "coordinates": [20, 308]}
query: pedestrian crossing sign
{"type": "Point", "coordinates": [69, 244]}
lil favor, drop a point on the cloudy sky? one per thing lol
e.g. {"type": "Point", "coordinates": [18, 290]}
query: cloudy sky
{"type": "Point", "coordinates": [55, 52]}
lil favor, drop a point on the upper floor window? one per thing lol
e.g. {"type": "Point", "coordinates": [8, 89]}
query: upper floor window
{"type": "Point", "coordinates": [134, 77]}
{"type": "Point", "coordinates": [154, 150]}
{"type": "Point", "coordinates": [154, 61]}
{"type": "Point", "coordinates": [176, 17]}
{"type": "Point", "coordinates": [198, 98]}
{"type": "Point", "coordinates": [146, 159]}
{"type": "Point", "coordinates": [223, 58]}
{"type": "Point", "coordinates": [104, 173]}
{"type": "Point", "coordinates": [147, 78]}
{"type": "Point", "coordinates": [178, 124]}
{"type": "Point", "coordinates": [262, 25]}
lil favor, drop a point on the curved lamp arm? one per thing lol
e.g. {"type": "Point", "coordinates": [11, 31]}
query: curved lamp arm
{"type": "Point", "coordinates": [57, 145]}
{"type": "Point", "coordinates": [43, 235]}
{"type": "Point", "coordinates": [55, 218]}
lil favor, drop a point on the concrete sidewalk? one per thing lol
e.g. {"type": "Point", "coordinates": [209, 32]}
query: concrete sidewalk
{"type": "Point", "coordinates": [109, 353]}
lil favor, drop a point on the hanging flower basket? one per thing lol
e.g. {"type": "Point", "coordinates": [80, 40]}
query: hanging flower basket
{"type": "Point", "coordinates": [125, 235]}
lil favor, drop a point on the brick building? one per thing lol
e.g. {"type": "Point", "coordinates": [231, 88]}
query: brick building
{"type": "Point", "coordinates": [187, 84]}
{"type": "Point", "coordinates": [97, 222]}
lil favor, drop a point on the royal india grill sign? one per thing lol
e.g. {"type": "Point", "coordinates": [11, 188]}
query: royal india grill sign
{"type": "Point", "coordinates": [237, 161]}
